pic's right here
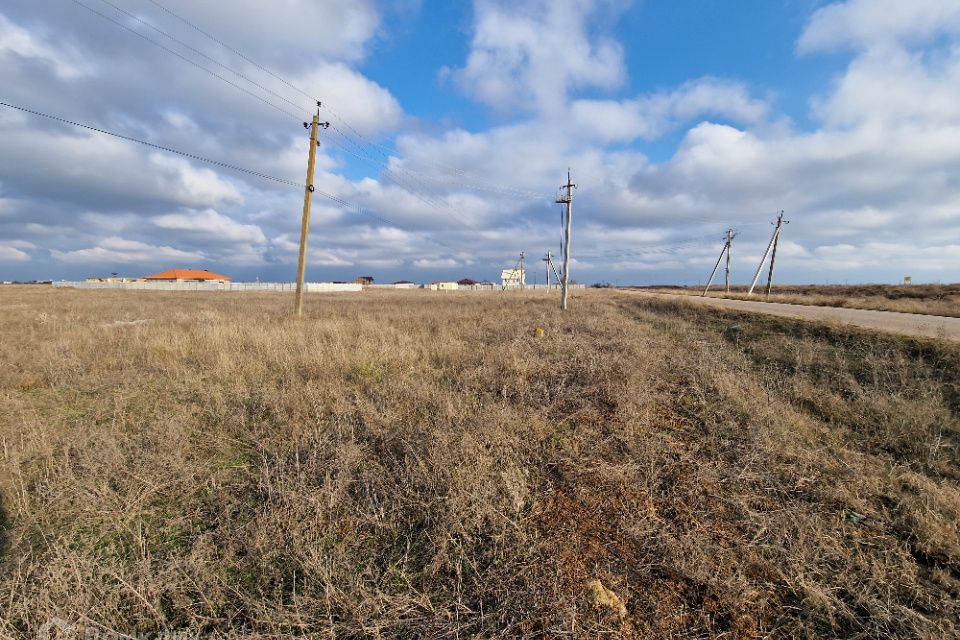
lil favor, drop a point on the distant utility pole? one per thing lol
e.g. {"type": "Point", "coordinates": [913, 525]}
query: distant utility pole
{"type": "Point", "coordinates": [566, 199]}
{"type": "Point", "coordinates": [773, 256]}
{"type": "Point", "coordinates": [552, 267]}
{"type": "Point", "coordinates": [522, 279]}
{"type": "Point", "coordinates": [730, 236]}
{"type": "Point", "coordinates": [549, 266]}
{"type": "Point", "coordinates": [516, 272]}
{"type": "Point", "coordinates": [307, 199]}
{"type": "Point", "coordinates": [774, 241]}
{"type": "Point", "coordinates": [726, 250]}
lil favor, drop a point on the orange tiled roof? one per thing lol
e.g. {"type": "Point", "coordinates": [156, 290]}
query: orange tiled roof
{"type": "Point", "coordinates": [187, 274]}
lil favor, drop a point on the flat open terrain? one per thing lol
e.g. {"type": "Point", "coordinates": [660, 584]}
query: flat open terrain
{"type": "Point", "coordinates": [929, 299]}
{"type": "Point", "coordinates": [417, 464]}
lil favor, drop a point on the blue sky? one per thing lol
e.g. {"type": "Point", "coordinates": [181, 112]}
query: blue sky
{"type": "Point", "coordinates": [665, 44]}
{"type": "Point", "coordinates": [456, 121]}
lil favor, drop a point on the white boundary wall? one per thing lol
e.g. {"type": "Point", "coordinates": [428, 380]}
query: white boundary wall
{"type": "Point", "coordinates": [280, 287]}
{"type": "Point", "coordinates": [542, 287]}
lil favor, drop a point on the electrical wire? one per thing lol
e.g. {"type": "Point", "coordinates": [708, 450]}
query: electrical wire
{"type": "Point", "coordinates": [226, 165]}
{"type": "Point", "coordinates": [200, 53]}
{"type": "Point", "coordinates": [231, 49]}
{"type": "Point", "coordinates": [399, 182]}
{"type": "Point", "coordinates": [186, 59]}
{"type": "Point", "coordinates": [185, 154]}
{"type": "Point", "coordinates": [324, 105]}
{"type": "Point", "coordinates": [388, 172]}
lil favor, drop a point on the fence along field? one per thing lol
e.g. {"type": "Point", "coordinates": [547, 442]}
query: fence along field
{"type": "Point", "coordinates": [205, 463]}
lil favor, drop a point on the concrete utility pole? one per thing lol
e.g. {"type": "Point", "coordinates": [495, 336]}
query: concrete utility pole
{"type": "Point", "coordinates": [553, 268]}
{"type": "Point", "coordinates": [774, 239]}
{"type": "Point", "coordinates": [546, 268]}
{"type": "Point", "coordinates": [522, 278]}
{"type": "Point", "coordinates": [773, 256]}
{"type": "Point", "coordinates": [730, 236]}
{"type": "Point", "coordinates": [307, 199]}
{"type": "Point", "coordinates": [567, 200]}
{"type": "Point", "coordinates": [726, 250]}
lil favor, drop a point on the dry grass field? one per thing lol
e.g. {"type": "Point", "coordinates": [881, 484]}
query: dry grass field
{"type": "Point", "coordinates": [416, 464]}
{"type": "Point", "coordinates": [932, 299]}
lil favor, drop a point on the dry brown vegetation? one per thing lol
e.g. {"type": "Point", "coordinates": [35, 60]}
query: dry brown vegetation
{"type": "Point", "coordinates": [423, 465]}
{"type": "Point", "coordinates": [932, 299]}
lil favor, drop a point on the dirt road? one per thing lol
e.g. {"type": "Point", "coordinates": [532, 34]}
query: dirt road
{"type": "Point", "coordinates": [910, 324]}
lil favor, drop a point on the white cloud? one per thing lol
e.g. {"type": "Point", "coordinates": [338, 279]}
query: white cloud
{"type": "Point", "coordinates": [874, 23]}
{"type": "Point", "coordinates": [649, 117]}
{"type": "Point", "coordinates": [528, 54]}
{"type": "Point", "coordinates": [13, 251]}
{"type": "Point", "coordinates": [105, 170]}
{"type": "Point", "coordinates": [288, 34]}
{"type": "Point", "coordinates": [119, 250]}
{"type": "Point", "coordinates": [352, 97]}
{"type": "Point", "coordinates": [871, 183]}
{"type": "Point", "coordinates": [907, 257]}
{"type": "Point", "coordinates": [427, 263]}
{"type": "Point", "coordinates": [211, 226]}
{"type": "Point", "coordinates": [893, 87]}
{"type": "Point", "coordinates": [17, 41]}
{"type": "Point", "coordinates": [194, 185]}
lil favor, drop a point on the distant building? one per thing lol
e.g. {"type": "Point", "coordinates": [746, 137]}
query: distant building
{"type": "Point", "coordinates": [114, 279]}
{"type": "Point", "coordinates": [442, 286]}
{"type": "Point", "coordinates": [364, 280]}
{"type": "Point", "coordinates": [467, 282]}
{"type": "Point", "coordinates": [404, 284]}
{"type": "Point", "coordinates": [187, 275]}
{"type": "Point", "coordinates": [513, 277]}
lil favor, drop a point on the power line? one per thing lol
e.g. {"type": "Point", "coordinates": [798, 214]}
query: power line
{"type": "Point", "coordinates": [227, 165]}
{"type": "Point", "coordinates": [437, 202]}
{"type": "Point", "coordinates": [186, 59]}
{"type": "Point", "coordinates": [231, 49]}
{"type": "Point", "coordinates": [150, 25]}
{"type": "Point", "coordinates": [326, 106]}
{"type": "Point", "coordinates": [395, 180]}
{"type": "Point", "coordinates": [185, 154]}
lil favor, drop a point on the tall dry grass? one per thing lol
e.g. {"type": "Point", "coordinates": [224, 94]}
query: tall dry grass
{"type": "Point", "coordinates": [422, 465]}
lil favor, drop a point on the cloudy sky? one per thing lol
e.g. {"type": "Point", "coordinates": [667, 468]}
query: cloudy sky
{"type": "Point", "coordinates": [453, 124]}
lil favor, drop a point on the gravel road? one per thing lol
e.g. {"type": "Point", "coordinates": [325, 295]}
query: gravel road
{"type": "Point", "coordinates": [911, 324]}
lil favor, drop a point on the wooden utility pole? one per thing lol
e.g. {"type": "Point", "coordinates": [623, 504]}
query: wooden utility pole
{"type": "Point", "coordinates": [307, 199]}
{"type": "Point", "coordinates": [566, 199]}
{"type": "Point", "coordinates": [546, 268]}
{"type": "Point", "coordinates": [773, 240]}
